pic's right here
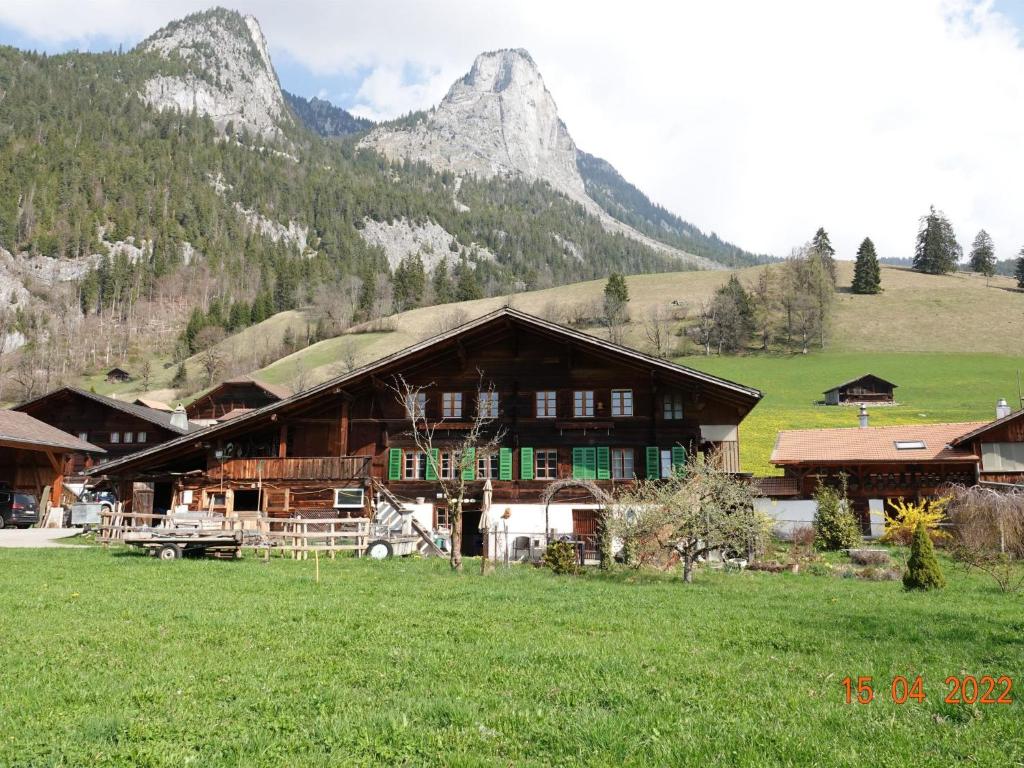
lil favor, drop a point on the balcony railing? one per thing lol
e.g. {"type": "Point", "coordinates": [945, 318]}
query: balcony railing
{"type": "Point", "coordinates": [299, 468]}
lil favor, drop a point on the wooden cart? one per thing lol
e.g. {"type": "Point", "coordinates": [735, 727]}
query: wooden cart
{"type": "Point", "coordinates": [172, 543]}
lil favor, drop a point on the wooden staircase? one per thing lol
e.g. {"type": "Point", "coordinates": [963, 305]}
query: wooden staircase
{"type": "Point", "coordinates": [390, 511]}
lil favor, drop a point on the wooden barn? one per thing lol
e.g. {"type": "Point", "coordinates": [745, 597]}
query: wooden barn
{"type": "Point", "coordinates": [571, 406]}
{"type": "Point", "coordinates": [118, 427]}
{"type": "Point", "coordinates": [864, 389]}
{"type": "Point", "coordinates": [117, 375]}
{"type": "Point", "coordinates": [35, 456]}
{"type": "Point", "coordinates": [233, 398]}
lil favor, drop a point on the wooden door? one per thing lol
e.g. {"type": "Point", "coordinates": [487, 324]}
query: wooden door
{"type": "Point", "coordinates": [584, 528]}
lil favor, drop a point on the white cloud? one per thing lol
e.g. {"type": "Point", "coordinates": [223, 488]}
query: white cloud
{"type": "Point", "coordinates": [761, 121]}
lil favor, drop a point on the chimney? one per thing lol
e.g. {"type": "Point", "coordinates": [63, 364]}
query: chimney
{"type": "Point", "coordinates": [1002, 409]}
{"type": "Point", "coordinates": [179, 419]}
{"type": "Point", "coordinates": [863, 417]}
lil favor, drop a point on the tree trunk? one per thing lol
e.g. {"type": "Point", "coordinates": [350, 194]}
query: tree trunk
{"type": "Point", "coordinates": [456, 556]}
{"type": "Point", "coordinates": [687, 569]}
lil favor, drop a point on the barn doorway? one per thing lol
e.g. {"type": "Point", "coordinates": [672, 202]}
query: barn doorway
{"type": "Point", "coordinates": [247, 501]}
{"type": "Point", "coordinates": [163, 494]}
{"type": "Point", "coordinates": [472, 539]}
{"type": "Point", "coordinates": [584, 529]}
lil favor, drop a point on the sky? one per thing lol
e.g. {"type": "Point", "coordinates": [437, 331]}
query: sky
{"type": "Point", "coordinates": [759, 121]}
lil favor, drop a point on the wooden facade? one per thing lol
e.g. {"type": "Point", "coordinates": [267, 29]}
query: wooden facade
{"type": "Point", "coordinates": [865, 389]}
{"type": "Point", "coordinates": [234, 397]}
{"type": "Point", "coordinates": [119, 428]}
{"type": "Point", "coordinates": [639, 416]}
{"type": "Point", "coordinates": [999, 446]}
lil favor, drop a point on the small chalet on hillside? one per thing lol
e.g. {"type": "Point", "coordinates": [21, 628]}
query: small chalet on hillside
{"type": "Point", "coordinates": [570, 404]}
{"type": "Point", "coordinates": [116, 426]}
{"type": "Point", "coordinates": [864, 389]}
{"type": "Point", "coordinates": [233, 398]}
{"type": "Point", "coordinates": [117, 375]}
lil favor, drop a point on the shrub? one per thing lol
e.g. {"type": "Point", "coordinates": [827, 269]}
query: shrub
{"type": "Point", "coordinates": [922, 567]}
{"type": "Point", "coordinates": [560, 557]}
{"type": "Point", "coordinates": [835, 527]}
{"type": "Point", "coordinates": [869, 556]}
{"type": "Point", "coordinates": [803, 536]}
{"type": "Point", "coordinates": [900, 527]}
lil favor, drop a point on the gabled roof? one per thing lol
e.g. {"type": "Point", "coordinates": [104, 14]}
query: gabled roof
{"type": "Point", "coordinates": [280, 391]}
{"type": "Point", "coordinates": [156, 405]}
{"type": "Point", "coordinates": [747, 395]}
{"type": "Point", "coordinates": [981, 430]}
{"type": "Point", "coordinates": [159, 418]}
{"type": "Point", "coordinates": [856, 445]}
{"type": "Point", "coordinates": [860, 378]}
{"type": "Point", "coordinates": [21, 429]}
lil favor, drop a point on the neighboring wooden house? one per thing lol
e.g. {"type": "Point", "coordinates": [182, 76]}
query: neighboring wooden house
{"type": "Point", "coordinates": [234, 397]}
{"type": "Point", "coordinates": [35, 456]}
{"type": "Point", "coordinates": [118, 427]}
{"type": "Point", "coordinates": [118, 375]}
{"type": "Point", "coordinates": [572, 405]}
{"type": "Point", "coordinates": [865, 389]}
{"type": "Point", "coordinates": [1000, 446]}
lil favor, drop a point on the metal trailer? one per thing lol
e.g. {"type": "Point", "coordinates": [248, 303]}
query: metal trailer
{"type": "Point", "coordinates": [173, 543]}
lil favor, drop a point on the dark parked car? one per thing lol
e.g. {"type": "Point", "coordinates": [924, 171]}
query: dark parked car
{"type": "Point", "coordinates": [18, 509]}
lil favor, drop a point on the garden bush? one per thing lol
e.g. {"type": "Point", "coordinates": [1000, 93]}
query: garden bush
{"type": "Point", "coordinates": [835, 527]}
{"type": "Point", "coordinates": [922, 568]}
{"type": "Point", "coordinates": [560, 557]}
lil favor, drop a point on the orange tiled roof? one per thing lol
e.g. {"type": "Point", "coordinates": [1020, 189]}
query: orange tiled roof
{"type": "Point", "coordinates": [850, 445]}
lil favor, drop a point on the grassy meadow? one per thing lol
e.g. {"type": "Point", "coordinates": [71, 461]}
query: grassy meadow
{"type": "Point", "coordinates": [111, 658]}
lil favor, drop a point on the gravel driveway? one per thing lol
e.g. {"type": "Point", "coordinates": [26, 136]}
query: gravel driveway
{"type": "Point", "coordinates": [34, 538]}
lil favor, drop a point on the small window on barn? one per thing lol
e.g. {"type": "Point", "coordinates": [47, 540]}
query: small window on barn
{"type": "Point", "coordinates": [141, 437]}
{"type": "Point", "coordinates": [910, 445]}
{"type": "Point", "coordinates": [115, 437]}
{"type": "Point", "coordinates": [129, 437]}
{"type": "Point", "coordinates": [83, 436]}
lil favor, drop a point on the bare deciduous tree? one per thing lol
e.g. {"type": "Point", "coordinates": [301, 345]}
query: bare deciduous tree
{"type": "Point", "coordinates": [451, 460]}
{"type": "Point", "coordinates": [658, 330]}
{"type": "Point", "coordinates": [988, 533]}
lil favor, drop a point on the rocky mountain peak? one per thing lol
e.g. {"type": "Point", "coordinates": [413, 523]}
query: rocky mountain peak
{"type": "Point", "coordinates": [218, 64]}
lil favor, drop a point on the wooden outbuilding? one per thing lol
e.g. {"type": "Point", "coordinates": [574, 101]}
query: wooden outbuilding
{"type": "Point", "coordinates": [864, 389]}
{"type": "Point", "coordinates": [570, 405]}
{"type": "Point", "coordinates": [117, 375]}
{"type": "Point", "coordinates": [35, 456]}
{"type": "Point", "coordinates": [234, 397]}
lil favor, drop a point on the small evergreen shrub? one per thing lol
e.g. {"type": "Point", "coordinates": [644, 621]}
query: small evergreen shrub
{"type": "Point", "coordinates": [922, 567]}
{"type": "Point", "coordinates": [560, 557]}
{"type": "Point", "coordinates": [835, 527]}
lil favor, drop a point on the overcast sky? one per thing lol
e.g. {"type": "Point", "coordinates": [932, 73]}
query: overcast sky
{"type": "Point", "coordinates": [758, 120]}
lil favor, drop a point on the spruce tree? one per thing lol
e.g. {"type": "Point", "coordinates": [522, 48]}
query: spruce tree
{"type": "Point", "coordinates": [922, 568]}
{"type": "Point", "coordinates": [1019, 272]}
{"type": "Point", "coordinates": [867, 277]}
{"type": "Point", "coordinates": [983, 254]}
{"type": "Point", "coordinates": [443, 293]}
{"type": "Point", "coordinates": [822, 245]}
{"type": "Point", "coordinates": [615, 290]}
{"type": "Point", "coordinates": [468, 285]}
{"type": "Point", "coordinates": [937, 251]}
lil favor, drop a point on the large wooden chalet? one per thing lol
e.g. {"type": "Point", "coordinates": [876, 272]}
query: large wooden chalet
{"type": "Point", "coordinates": [118, 427]}
{"type": "Point", "coordinates": [571, 405]}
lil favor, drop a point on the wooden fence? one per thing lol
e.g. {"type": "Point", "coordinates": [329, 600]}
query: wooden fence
{"type": "Point", "coordinates": [296, 536]}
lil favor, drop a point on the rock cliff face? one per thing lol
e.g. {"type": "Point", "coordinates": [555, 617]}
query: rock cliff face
{"type": "Point", "coordinates": [501, 120]}
{"type": "Point", "coordinates": [218, 65]}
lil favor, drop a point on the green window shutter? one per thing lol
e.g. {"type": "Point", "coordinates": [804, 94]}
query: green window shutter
{"type": "Point", "coordinates": [504, 463]}
{"type": "Point", "coordinates": [526, 463]}
{"type": "Point", "coordinates": [653, 462]}
{"type": "Point", "coordinates": [590, 463]}
{"type": "Point", "coordinates": [604, 463]}
{"type": "Point", "coordinates": [395, 464]}
{"type": "Point", "coordinates": [469, 464]}
{"type": "Point", "coordinates": [578, 464]}
{"type": "Point", "coordinates": [434, 463]}
{"type": "Point", "coordinates": [678, 458]}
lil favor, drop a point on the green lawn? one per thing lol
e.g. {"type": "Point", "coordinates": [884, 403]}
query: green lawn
{"type": "Point", "coordinates": [111, 658]}
{"type": "Point", "coordinates": [931, 388]}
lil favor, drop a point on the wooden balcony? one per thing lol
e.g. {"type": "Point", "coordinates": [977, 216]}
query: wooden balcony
{"type": "Point", "coordinates": [300, 468]}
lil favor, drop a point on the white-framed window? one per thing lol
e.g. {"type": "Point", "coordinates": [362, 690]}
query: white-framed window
{"type": "Point", "coordinates": [129, 437]}
{"type": "Point", "coordinates": [451, 405]}
{"type": "Point", "coordinates": [666, 463]}
{"type": "Point", "coordinates": [622, 402]}
{"type": "Point", "coordinates": [416, 405]}
{"type": "Point", "coordinates": [446, 470]}
{"type": "Point", "coordinates": [115, 437]}
{"type": "Point", "coordinates": [487, 404]}
{"type": "Point", "coordinates": [487, 467]}
{"type": "Point", "coordinates": [672, 406]}
{"type": "Point", "coordinates": [83, 436]}
{"type": "Point", "coordinates": [415, 466]}
{"type": "Point", "coordinates": [583, 403]}
{"type": "Point", "coordinates": [547, 404]}
{"type": "Point", "coordinates": [546, 464]}
{"type": "Point", "coordinates": [1002, 457]}
{"type": "Point", "coordinates": [141, 437]}
{"type": "Point", "coordinates": [622, 464]}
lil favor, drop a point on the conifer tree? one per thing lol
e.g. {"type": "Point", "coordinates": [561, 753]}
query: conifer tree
{"type": "Point", "coordinates": [615, 290]}
{"type": "Point", "coordinates": [867, 278]}
{"type": "Point", "coordinates": [922, 568]}
{"type": "Point", "coordinates": [443, 293]}
{"type": "Point", "coordinates": [822, 246]}
{"type": "Point", "coordinates": [937, 251]}
{"type": "Point", "coordinates": [983, 254]}
{"type": "Point", "coordinates": [1019, 271]}
{"type": "Point", "coordinates": [468, 283]}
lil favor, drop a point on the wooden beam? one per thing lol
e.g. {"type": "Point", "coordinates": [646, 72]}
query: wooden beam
{"type": "Point", "coordinates": [282, 441]}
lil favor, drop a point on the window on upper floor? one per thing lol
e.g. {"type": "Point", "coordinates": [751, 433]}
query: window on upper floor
{"type": "Point", "coordinates": [115, 437]}
{"type": "Point", "coordinates": [583, 403]}
{"type": "Point", "coordinates": [622, 402]}
{"type": "Point", "coordinates": [83, 436]}
{"type": "Point", "coordinates": [487, 404]}
{"type": "Point", "coordinates": [141, 437]}
{"type": "Point", "coordinates": [446, 468]}
{"type": "Point", "coordinates": [547, 404]}
{"type": "Point", "coordinates": [546, 467]}
{"type": "Point", "coordinates": [451, 405]}
{"type": "Point", "coordinates": [129, 437]}
{"type": "Point", "coordinates": [672, 406]}
{"type": "Point", "coordinates": [415, 467]}
{"type": "Point", "coordinates": [622, 464]}
{"type": "Point", "coordinates": [487, 467]}
{"type": "Point", "coordinates": [1002, 457]}
{"type": "Point", "coordinates": [416, 405]}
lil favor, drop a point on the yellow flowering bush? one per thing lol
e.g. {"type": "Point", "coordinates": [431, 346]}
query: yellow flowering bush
{"type": "Point", "coordinates": [903, 518]}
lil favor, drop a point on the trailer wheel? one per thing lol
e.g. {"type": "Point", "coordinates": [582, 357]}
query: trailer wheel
{"type": "Point", "coordinates": [169, 552]}
{"type": "Point", "coordinates": [379, 550]}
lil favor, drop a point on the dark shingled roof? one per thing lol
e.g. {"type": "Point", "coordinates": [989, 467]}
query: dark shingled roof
{"type": "Point", "coordinates": [18, 427]}
{"type": "Point", "coordinates": [160, 418]}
